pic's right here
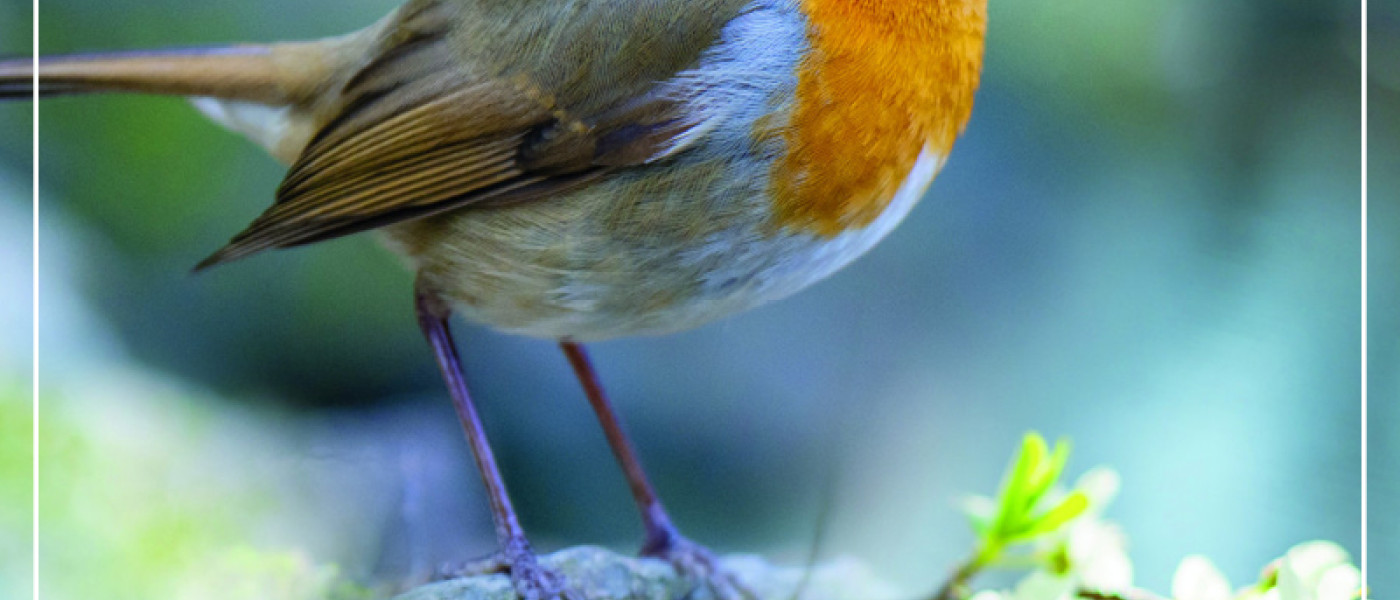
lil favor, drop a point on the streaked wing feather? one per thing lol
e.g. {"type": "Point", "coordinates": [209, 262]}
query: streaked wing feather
{"type": "Point", "coordinates": [411, 138]}
{"type": "Point", "coordinates": [445, 177]}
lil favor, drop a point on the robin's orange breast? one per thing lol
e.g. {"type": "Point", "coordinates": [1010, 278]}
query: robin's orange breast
{"type": "Point", "coordinates": [882, 81]}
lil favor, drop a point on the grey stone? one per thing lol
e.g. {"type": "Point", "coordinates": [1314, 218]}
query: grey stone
{"type": "Point", "coordinates": [599, 574]}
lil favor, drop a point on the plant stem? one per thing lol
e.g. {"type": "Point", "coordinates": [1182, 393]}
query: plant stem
{"type": "Point", "coordinates": [956, 586]}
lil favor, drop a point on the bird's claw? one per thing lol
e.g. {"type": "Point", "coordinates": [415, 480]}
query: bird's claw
{"type": "Point", "coordinates": [696, 563]}
{"type": "Point", "coordinates": [531, 580]}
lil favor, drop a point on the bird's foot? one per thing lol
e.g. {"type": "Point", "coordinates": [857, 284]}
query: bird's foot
{"type": "Point", "coordinates": [531, 580]}
{"type": "Point", "coordinates": [698, 564]}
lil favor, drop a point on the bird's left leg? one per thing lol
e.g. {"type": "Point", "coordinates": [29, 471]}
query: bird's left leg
{"type": "Point", "coordinates": [663, 540]}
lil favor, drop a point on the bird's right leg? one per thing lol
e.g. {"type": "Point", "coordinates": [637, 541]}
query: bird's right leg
{"type": "Point", "coordinates": [531, 581]}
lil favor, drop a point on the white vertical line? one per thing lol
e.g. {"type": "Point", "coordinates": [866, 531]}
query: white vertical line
{"type": "Point", "coordinates": [1365, 23]}
{"type": "Point", "coordinates": [34, 343]}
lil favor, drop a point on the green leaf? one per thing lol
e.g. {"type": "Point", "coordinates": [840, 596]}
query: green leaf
{"type": "Point", "coordinates": [1016, 486]}
{"type": "Point", "coordinates": [1072, 506]}
{"type": "Point", "coordinates": [1047, 474]}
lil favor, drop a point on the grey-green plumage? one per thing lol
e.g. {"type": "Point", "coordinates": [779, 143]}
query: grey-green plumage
{"type": "Point", "coordinates": [513, 107]}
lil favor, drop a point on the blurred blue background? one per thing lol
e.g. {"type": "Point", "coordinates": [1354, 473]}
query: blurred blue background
{"type": "Point", "coordinates": [1147, 240]}
{"type": "Point", "coordinates": [1383, 85]}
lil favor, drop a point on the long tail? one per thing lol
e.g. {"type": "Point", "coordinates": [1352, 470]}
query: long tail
{"type": "Point", "coordinates": [252, 73]}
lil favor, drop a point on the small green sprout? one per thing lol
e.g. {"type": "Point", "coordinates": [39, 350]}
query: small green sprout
{"type": "Point", "coordinates": [1023, 509]}
{"type": "Point", "coordinates": [1026, 509]}
{"type": "Point", "coordinates": [1072, 553]}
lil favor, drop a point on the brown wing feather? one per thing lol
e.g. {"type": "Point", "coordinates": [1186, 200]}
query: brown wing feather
{"type": "Point", "coordinates": [413, 134]}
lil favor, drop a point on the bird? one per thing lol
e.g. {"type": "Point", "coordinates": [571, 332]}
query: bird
{"type": "Point", "coordinates": [581, 170]}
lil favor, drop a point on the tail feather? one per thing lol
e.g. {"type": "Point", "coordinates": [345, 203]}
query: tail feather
{"type": "Point", "coordinates": [248, 73]}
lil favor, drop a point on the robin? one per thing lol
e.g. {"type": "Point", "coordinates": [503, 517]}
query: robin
{"type": "Point", "coordinates": [577, 170]}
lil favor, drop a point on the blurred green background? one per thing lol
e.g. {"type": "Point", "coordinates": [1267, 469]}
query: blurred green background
{"type": "Point", "coordinates": [1147, 240]}
{"type": "Point", "coordinates": [16, 310]}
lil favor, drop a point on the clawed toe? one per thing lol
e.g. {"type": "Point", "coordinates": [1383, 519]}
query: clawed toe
{"type": "Point", "coordinates": [531, 580]}
{"type": "Point", "coordinates": [698, 564]}
{"type": "Point", "coordinates": [535, 582]}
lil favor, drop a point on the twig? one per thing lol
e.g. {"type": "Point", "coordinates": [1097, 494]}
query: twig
{"type": "Point", "coordinates": [956, 585]}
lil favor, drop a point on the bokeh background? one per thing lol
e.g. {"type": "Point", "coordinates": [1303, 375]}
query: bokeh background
{"type": "Point", "coordinates": [16, 310]}
{"type": "Point", "coordinates": [1147, 241]}
{"type": "Point", "coordinates": [1383, 85]}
